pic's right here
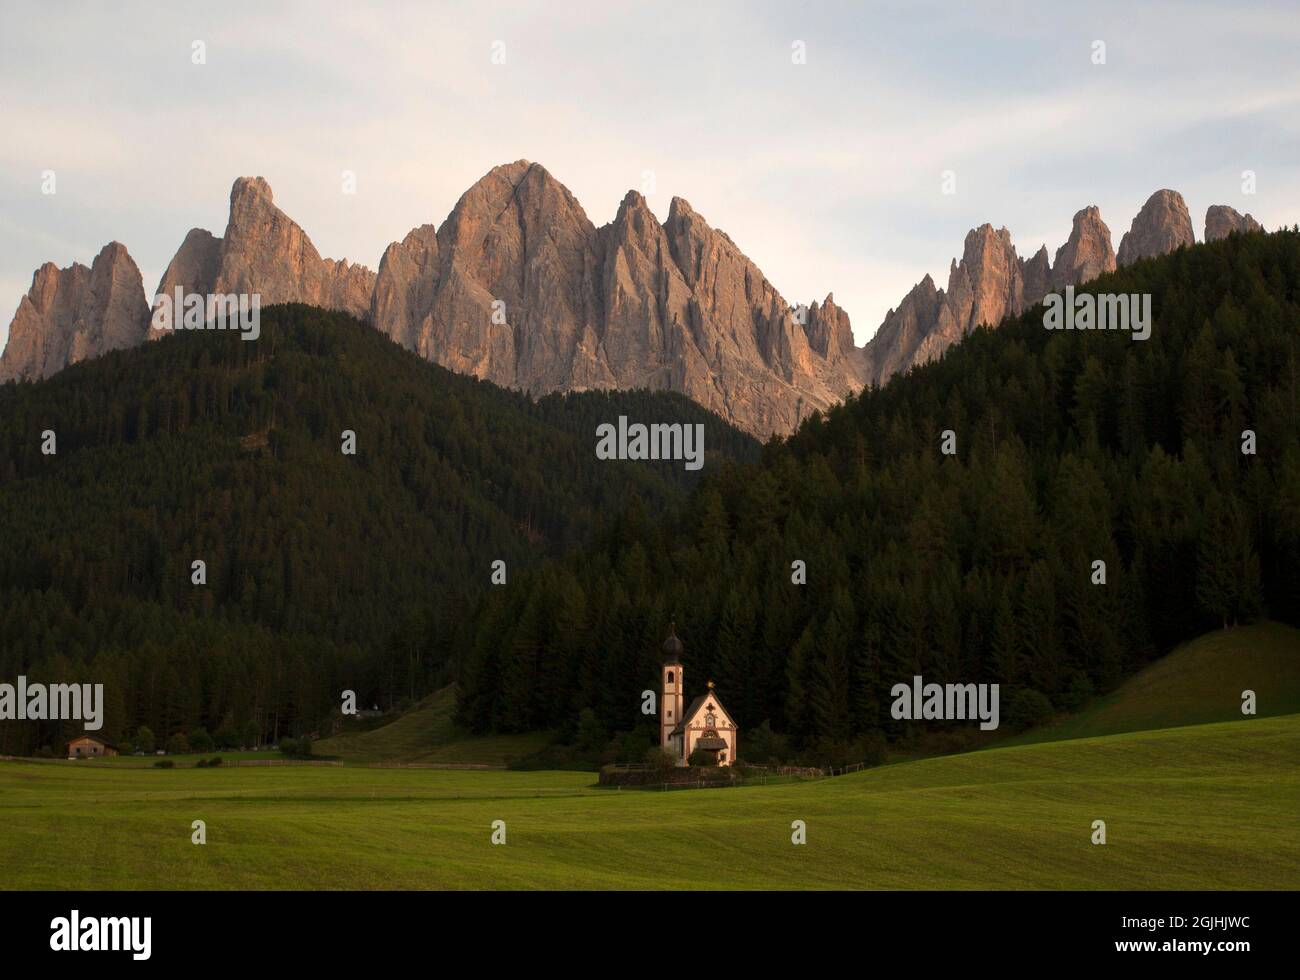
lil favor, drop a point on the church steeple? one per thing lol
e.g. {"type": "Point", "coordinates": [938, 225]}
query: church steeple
{"type": "Point", "coordinates": [673, 695]}
{"type": "Point", "coordinates": [672, 646]}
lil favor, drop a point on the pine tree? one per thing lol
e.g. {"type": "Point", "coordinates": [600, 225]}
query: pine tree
{"type": "Point", "coordinates": [1227, 580]}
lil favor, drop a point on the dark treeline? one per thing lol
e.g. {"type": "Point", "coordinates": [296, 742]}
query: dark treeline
{"type": "Point", "coordinates": [324, 571]}
{"type": "Point", "coordinates": [1072, 448]}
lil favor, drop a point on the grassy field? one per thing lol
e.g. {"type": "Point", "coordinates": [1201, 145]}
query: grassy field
{"type": "Point", "coordinates": [1210, 806]}
{"type": "Point", "coordinates": [1199, 682]}
{"type": "Point", "coordinates": [187, 759]}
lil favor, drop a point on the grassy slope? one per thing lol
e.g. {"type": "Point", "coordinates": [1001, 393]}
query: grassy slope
{"type": "Point", "coordinates": [1199, 682]}
{"type": "Point", "coordinates": [427, 734]}
{"type": "Point", "coordinates": [1209, 806]}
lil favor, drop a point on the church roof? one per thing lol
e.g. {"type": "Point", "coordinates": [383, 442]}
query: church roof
{"type": "Point", "coordinates": [695, 707]}
{"type": "Point", "coordinates": [690, 713]}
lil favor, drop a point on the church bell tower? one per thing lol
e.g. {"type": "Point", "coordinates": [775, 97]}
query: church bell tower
{"type": "Point", "coordinates": [672, 700]}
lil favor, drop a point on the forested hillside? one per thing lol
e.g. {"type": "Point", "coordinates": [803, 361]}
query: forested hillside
{"type": "Point", "coordinates": [325, 571]}
{"type": "Point", "coordinates": [1072, 447]}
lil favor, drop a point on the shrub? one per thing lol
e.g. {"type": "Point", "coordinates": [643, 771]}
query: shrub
{"type": "Point", "coordinates": [632, 746]}
{"type": "Point", "coordinates": [201, 764]}
{"type": "Point", "coordinates": [288, 746]}
{"type": "Point", "coordinates": [1027, 708]}
{"type": "Point", "coordinates": [214, 761]}
{"type": "Point", "coordinates": [591, 733]}
{"type": "Point", "coordinates": [764, 746]}
{"type": "Point", "coordinates": [200, 740]}
{"type": "Point", "coordinates": [701, 758]}
{"type": "Point", "coordinates": [144, 740]}
{"type": "Point", "coordinates": [871, 748]}
{"type": "Point", "coordinates": [833, 752]}
{"type": "Point", "coordinates": [178, 744]}
{"type": "Point", "coordinates": [1078, 693]}
{"type": "Point", "coordinates": [659, 760]}
{"type": "Point", "coordinates": [164, 764]}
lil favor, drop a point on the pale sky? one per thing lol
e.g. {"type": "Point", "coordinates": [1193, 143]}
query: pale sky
{"type": "Point", "coordinates": [827, 174]}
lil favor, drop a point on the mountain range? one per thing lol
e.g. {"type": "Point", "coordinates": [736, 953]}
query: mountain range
{"type": "Point", "coordinates": [520, 288]}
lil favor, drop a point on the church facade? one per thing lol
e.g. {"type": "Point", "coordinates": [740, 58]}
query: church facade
{"type": "Point", "coordinates": [704, 725]}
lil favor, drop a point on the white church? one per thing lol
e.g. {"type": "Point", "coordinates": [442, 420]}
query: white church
{"type": "Point", "coordinates": [704, 725]}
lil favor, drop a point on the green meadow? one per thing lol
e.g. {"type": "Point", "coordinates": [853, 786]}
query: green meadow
{"type": "Point", "coordinates": [1199, 682]}
{"type": "Point", "coordinates": [1205, 806]}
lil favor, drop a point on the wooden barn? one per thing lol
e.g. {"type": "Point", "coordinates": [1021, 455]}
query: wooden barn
{"type": "Point", "coordinates": [89, 747]}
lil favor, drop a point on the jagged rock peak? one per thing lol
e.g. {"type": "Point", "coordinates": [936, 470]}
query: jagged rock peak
{"type": "Point", "coordinates": [1222, 221]}
{"type": "Point", "coordinates": [255, 187]}
{"type": "Point", "coordinates": [679, 207]}
{"type": "Point", "coordinates": [985, 286]}
{"type": "Point", "coordinates": [266, 252]}
{"type": "Point", "coordinates": [405, 285]}
{"type": "Point", "coordinates": [521, 183]}
{"type": "Point", "coordinates": [633, 200]}
{"type": "Point", "coordinates": [634, 218]}
{"type": "Point", "coordinates": [1086, 254]}
{"type": "Point", "coordinates": [899, 341]}
{"type": "Point", "coordinates": [1161, 226]}
{"type": "Point", "coordinates": [828, 329]}
{"type": "Point", "coordinates": [194, 267]}
{"type": "Point", "coordinates": [71, 314]}
{"type": "Point", "coordinates": [1036, 276]}
{"type": "Point", "coordinates": [421, 237]}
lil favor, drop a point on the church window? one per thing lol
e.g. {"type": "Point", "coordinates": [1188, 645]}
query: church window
{"type": "Point", "coordinates": [670, 677]}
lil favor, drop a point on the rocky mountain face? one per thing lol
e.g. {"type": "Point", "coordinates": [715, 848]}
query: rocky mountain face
{"type": "Point", "coordinates": [1222, 221]}
{"type": "Point", "coordinates": [829, 332]}
{"type": "Point", "coordinates": [71, 314]}
{"type": "Point", "coordinates": [519, 287]}
{"type": "Point", "coordinates": [74, 313]}
{"type": "Point", "coordinates": [265, 252]}
{"type": "Point", "coordinates": [1036, 273]}
{"type": "Point", "coordinates": [909, 335]}
{"type": "Point", "coordinates": [1161, 226]}
{"type": "Point", "coordinates": [989, 283]}
{"type": "Point", "coordinates": [405, 286]}
{"type": "Point", "coordinates": [1085, 255]}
